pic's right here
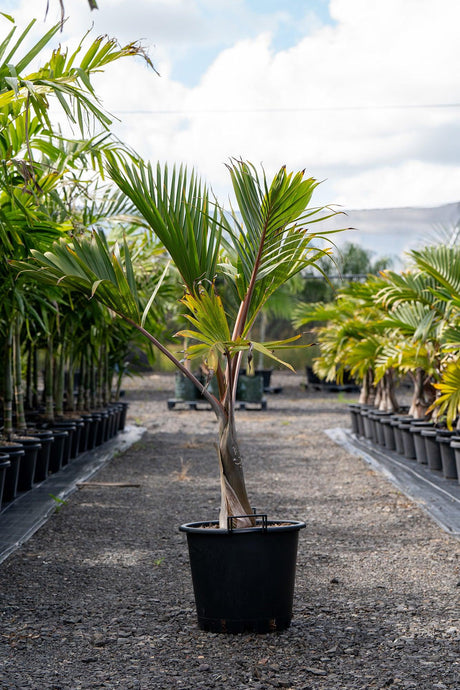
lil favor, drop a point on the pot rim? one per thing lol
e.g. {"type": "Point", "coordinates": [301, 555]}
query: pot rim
{"type": "Point", "coordinates": [202, 527]}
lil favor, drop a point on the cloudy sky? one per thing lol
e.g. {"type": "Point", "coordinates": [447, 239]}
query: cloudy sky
{"type": "Point", "coordinates": [363, 94]}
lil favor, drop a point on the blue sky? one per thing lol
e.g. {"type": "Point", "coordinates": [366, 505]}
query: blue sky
{"type": "Point", "coordinates": [363, 94]}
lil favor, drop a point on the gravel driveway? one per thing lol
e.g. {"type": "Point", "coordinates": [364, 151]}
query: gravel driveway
{"type": "Point", "coordinates": [101, 596]}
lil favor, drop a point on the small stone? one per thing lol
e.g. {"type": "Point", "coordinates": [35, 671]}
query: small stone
{"type": "Point", "coordinates": [316, 671]}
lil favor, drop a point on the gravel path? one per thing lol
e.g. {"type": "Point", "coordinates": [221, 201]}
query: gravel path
{"type": "Point", "coordinates": [101, 596]}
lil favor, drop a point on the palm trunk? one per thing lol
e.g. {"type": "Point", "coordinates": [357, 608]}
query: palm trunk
{"type": "Point", "coordinates": [8, 387]}
{"type": "Point", "coordinates": [234, 498]}
{"type": "Point", "coordinates": [424, 394]}
{"type": "Point", "coordinates": [59, 393]}
{"type": "Point", "coordinates": [70, 401]}
{"type": "Point", "coordinates": [19, 393]}
{"type": "Point", "coordinates": [49, 399]}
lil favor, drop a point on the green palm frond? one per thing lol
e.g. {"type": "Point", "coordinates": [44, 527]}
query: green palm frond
{"type": "Point", "coordinates": [272, 242]}
{"type": "Point", "coordinates": [89, 266]}
{"type": "Point", "coordinates": [177, 209]}
{"type": "Point", "coordinates": [65, 76]}
{"type": "Point", "coordinates": [449, 387]}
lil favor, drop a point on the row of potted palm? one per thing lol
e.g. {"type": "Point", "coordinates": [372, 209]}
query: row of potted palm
{"type": "Point", "coordinates": [400, 327]}
{"type": "Point", "coordinates": [46, 191]}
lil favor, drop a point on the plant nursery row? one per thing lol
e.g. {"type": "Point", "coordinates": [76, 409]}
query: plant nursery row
{"type": "Point", "coordinates": [47, 447]}
{"type": "Point", "coordinates": [420, 440]}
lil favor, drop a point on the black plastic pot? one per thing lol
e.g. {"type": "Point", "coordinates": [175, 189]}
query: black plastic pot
{"type": "Point", "coordinates": [84, 435]}
{"type": "Point", "coordinates": [93, 433]}
{"type": "Point", "coordinates": [449, 466]}
{"type": "Point", "coordinates": [354, 409]}
{"type": "Point", "coordinates": [60, 437]}
{"type": "Point", "coordinates": [26, 477]}
{"type": "Point", "coordinates": [249, 388]}
{"type": "Point", "coordinates": [388, 433]}
{"type": "Point", "coordinates": [4, 465]}
{"type": "Point", "coordinates": [15, 453]}
{"type": "Point", "coordinates": [102, 427]}
{"type": "Point", "coordinates": [407, 439]}
{"type": "Point", "coordinates": [360, 420]}
{"type": "Point", "coordinates": [124, 411]}
{"type": "Point", "coordinates": [379, 416]}
{"type": "Point", "coordinates": [367, 423]}
{"type": "Point", "coordinates": [45, 438]}
{"type": "Point", "coordinates": [243, 579]}
{"type": "Point", "coordinates": [432, 449]}
{"type": "Point", "coordinates": [73, 427]}
{"type": "Point", "coordinates": [419, 441]}
{"type": "Point", "coordinates": [184, 389]}
{"type": "Point", "coordinates": [396, 420]}
{"type": "Point", "coordinates": [455, 445]}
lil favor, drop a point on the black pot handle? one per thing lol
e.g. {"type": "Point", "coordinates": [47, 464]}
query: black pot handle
{"type": "Point", "coordinates": [262, 516]}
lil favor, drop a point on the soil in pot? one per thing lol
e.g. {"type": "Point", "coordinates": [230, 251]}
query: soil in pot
{"type": "Point", "coordinates": [243, 579]}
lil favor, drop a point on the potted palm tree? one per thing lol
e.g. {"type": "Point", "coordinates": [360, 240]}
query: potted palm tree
{"type": "Point", "coordinates": [248, 255]}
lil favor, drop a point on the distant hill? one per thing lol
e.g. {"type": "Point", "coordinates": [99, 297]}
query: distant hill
{"type": "Point", "coordinates": [393, 231]}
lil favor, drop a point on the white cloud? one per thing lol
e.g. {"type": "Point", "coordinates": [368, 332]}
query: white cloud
{"type": "Point", "coordinates": [322, 104]}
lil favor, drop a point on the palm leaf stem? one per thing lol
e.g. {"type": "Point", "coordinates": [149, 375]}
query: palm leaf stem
{"type": "Point", "coordinates": [217, 407]}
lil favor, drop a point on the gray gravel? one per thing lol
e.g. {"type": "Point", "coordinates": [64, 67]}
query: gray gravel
{"type": "Point", "coordinates": [101, 596]}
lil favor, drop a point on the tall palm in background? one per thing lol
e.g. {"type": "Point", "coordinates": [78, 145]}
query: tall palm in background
{"type": "Point", "coordinates": [35, 160]}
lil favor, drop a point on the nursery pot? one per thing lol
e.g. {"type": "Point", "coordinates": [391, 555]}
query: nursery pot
{"type": "Point", "coordinates": [449, 466]}
{"type": "Point", "coordinates": [31, 447]}
{"type": "Point", "coordinates": [85, 432]}
{"type": "Point", "coordinates": [243, 579]}
{"type": "Point", "coordinates": [184, 389]}
{"type": "Point", "coordinates": [388, 433]}
{"type": "Point", "coordinates": [15, 454]}
{"type": "Point", "coordinates": [419, 441]}
{"type": "Point", "coordinates": [407, 439]}
{"type": "Point", "coordinates": [124, 411]}
{"type": "Point", "coordinates": [354, 410]}
{"type": "Point", "coordinates": [71, 429]}
{"type": "Point", "coordinates": [249, 388]}
{"type": "Point", "coordinates": [45, 438]}
{"type": "Point", "coordinates": [455, 445]}
{"type": "Point", "coordinates": [60, 437]}
{"type": "Point", "coordinates": [432, 449]}
{"type": "Point", "coordinates": [379, 416]}
{"type": "Point", "coordinates": [4, 465]}
{"type": "Point", "coordinates": [367, 423]}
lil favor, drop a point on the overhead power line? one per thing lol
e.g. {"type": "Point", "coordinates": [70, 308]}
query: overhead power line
{"type": "Point", "coordinates": [312, 109]}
